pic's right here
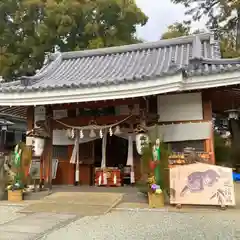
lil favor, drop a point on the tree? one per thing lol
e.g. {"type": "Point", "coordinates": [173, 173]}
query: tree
{"type": "Point", "coordinates": [227, 43]}
{"type": "Point", "coordinates": [177, 30]}
{"type": "Point", "coordinates": [31, 28]}
{"type": "Point", "coordinates": [223, 16]}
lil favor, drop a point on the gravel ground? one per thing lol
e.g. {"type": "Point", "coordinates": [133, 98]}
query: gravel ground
{"type": "Point", "coordinates": [152, 225]}
{"type": "Point", "coordinates": [9, 213]}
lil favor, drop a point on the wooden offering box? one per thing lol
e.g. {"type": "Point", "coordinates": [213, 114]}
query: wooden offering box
{"type": "Point", "coordinates": [107, 177]}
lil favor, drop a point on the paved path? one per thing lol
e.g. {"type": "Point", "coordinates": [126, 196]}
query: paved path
{"type": "Point", "coordinates": [152, 226]}
{"type": "Point", "coordinates": [78, 203]}
{"type": "Point", "coordinates": [59, 221]}
{"type": "Point", "coordinates": [119, 225]}
{"type": "Point", "coordinates": [34, 226]}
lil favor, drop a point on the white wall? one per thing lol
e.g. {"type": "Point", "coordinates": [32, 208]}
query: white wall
{"type": "Point", "coordinates": [185, 131]}
{"type": "Point", "coordinates": [180, 107]}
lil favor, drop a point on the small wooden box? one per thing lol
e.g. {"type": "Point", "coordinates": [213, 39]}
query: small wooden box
{"type": "Point", "coordinates": [15, 196]}
{"type": "Point", "coordinates": [155, 200]}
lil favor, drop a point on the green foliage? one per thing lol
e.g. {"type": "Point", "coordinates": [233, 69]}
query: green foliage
{"type": "Point", "coordinates": [164, 170]}
{"type": "Point", "coordinates": [222, 151]}
{"type": "Point", "coordinates": [223, 16]}
{"type": "Point", "coordinates": [31, 28]}
{"type": "Point", "coordinates": [177, 30]}
{"type": "Point", "coordinates": [227, 41]}
{"type": "Point", "coordinates": [145, 167]}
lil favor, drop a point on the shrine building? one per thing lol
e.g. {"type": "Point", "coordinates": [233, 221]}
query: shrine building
{"type": "Point", "coordinates": [169, 89]}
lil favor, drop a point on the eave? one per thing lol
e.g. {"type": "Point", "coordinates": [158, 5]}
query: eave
{"type": "Point", "coordinates": [162, 85]}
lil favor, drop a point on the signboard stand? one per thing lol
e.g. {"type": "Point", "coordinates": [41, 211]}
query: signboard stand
{"type": "Point", "coordinates": [34, 170]}
{"type": "Point", "coordinates": [201, 184]}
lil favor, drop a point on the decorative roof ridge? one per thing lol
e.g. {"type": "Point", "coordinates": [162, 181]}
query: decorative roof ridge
{"type": "Point", "coordinates": [54, 59]}
{"type": "Point", "coordinates": [136, 47]}
{"type": "Point", "coordinates": [10, 84]}
{"type": "Point", "coordinates": [196, 47]}
{"type": "Point", "coordinates": [223, 61]}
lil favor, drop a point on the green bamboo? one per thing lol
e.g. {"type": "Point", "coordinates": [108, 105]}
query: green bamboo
{"type": "Point", "coordinates": [157, 168]}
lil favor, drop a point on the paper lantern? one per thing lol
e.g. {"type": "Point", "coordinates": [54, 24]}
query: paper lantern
{"type": "Point", "coordinates": [141, 140]}
{"type": "Point", "coordinates": [38, 146]}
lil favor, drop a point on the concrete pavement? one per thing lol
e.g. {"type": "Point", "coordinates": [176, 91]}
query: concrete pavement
{"type": "Point", "coordinates": [77, 203]}
{"type": "Point", "coordinates": [152, 226]}
{"type": "Point", "coordinates": [81, 216]}
{"type": "Point", "coordinates": [34, 226]}
{"type": "Point", "coordinates": [118, 225]}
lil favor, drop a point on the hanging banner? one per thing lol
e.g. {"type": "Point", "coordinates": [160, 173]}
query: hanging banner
{"type": "Point", "coordinates": [202, 184]}
{"type": "Point", "coordinates": [34, 170]}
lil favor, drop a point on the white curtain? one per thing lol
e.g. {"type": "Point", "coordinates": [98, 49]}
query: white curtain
{"type": "Point", "coordinates": [130, 157]}
{"type": "Point", "coordinates": [130, 151]}
{"type": "Point", "coordinates": [74, 152]}
{"type": "Point", "coordinates": [104, 144]}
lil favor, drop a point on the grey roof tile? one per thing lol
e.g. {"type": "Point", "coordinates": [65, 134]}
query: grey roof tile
{"type": "Point", "coordinates": [130, 63]}
{"type": "Point", "coordinates": [204, 66]}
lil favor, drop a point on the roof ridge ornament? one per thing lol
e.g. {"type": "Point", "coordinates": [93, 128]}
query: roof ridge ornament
{"type": "Point", "coordinates": [55, 59]}
{"type": "Point", "coordinates": [137, 47]}
{"type": "Point", "coordinates": [197, 47]}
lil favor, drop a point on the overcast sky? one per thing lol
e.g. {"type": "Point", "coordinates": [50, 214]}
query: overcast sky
{"type": "Point", "coordinates": [161, 15]}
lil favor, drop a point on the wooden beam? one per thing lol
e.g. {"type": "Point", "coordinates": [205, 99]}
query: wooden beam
{"type": "Point", "coordinates": [85, 120]}
{"type": "Point", "coordinates": [99, 104]}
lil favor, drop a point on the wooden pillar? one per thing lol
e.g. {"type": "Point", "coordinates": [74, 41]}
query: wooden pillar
{"type": "Point", "coordinates": [30, 126]}
{"type": "Point", "coordinates": [30, 118]}
{"type": "Point", "coordinates": [207, 116]}
{"type": "Point", "coordinates": [71, 167]}
{"type": "Point", "coordinates": [47, 156]}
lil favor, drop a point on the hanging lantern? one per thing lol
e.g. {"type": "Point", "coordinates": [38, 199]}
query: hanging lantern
{"type": "Point", "coordinates": [117, 130]}
{"type": "Point", "coordinates": [141, 140]}
{"type": "Point", "coordinates": [92, 134]}
{"type": "Point", "coordinates": [110, 131]}
{"type": "Point", "coordinates": [101, 133]}
{"type": "Point", "coordinates": [38, 146]}
{"type": "Point", "coordinates": [233, 114]}
{"type": "Point", "coordinates": [81, 134]}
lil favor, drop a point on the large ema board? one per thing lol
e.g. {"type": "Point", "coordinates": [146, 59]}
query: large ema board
{"type": "Point", "coordinates": [202, 184]}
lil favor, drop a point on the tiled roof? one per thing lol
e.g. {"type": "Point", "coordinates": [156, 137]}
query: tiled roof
{"type": "Point", "coordinates": [116, 65]}
{"type": "Point", "coordinates": [15, 112]}
{"type": "Point", "coordinates": [203, 66]}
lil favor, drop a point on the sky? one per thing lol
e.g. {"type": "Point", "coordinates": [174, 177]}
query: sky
{"type": "Point", "coordinates": [160, 17]}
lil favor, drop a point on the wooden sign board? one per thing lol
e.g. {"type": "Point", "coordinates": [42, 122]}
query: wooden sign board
{"type": "Point", "coordinates": [202, 184]}
{"type": "Point", "coordinates": [35, 167]}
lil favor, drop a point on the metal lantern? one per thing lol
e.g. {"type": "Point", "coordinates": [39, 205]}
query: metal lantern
{"type": "Point", "coordinates": [141, 140]}
{"type": "Point", "coordinates": [233, 114]}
